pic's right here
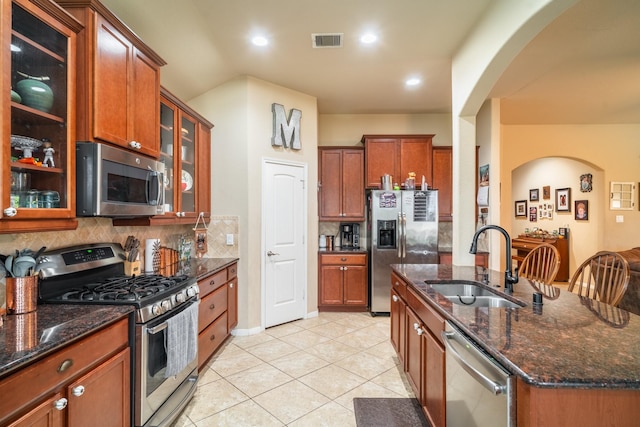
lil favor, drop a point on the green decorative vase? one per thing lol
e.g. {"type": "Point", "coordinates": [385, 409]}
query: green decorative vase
{"type": "Point", "coordinates": [35, 94]}
{"type": "Point", "coordinates": [15, 97]}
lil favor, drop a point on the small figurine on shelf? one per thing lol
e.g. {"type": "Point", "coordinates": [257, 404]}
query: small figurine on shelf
{"type": "Point", "coordinates": [48, 155]}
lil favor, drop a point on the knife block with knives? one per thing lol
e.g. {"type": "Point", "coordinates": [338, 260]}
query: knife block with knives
{"type": "Point", "coordinates": [132, 261]}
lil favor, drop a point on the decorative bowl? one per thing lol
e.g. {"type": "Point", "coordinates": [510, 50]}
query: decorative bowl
{"type": "Point", "coordinates": [25, 144]}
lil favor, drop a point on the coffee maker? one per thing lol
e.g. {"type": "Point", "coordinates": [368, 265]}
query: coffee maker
{"type": "Point", "coordinates": [350, 235]}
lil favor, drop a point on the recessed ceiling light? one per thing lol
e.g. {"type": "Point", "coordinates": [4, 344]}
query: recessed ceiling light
{"type": "Point", "coordinates": [413, 81]}
{"type": "Point", "coordinates": [260, 41]}
{"type": "Point", "coordinates": [368, 38]}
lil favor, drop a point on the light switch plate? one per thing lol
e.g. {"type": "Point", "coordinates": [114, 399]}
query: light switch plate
{"type": "Point", "coordinates": [619, 218]}
{"type": "Point", "coordinates": [229, 239]}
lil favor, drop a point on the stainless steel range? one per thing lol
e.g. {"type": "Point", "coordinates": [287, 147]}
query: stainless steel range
{"type": "Point", "coordinates": [164, 378]}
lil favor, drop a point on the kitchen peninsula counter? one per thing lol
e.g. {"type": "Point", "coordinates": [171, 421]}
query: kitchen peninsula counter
{"type": "Point", "coordinates": [29, 337]}
{"type": "Point", "coordinates": [568, 342]}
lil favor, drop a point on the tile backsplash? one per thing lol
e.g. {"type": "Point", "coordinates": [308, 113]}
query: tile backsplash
{"type": "Point", "coordinates": [96, 230]}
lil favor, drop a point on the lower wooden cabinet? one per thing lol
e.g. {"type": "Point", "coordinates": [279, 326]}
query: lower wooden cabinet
{"type": "Point", "coordinates": [343, 282]}
{"type": "Point", "coordinates": [218, 311]}
{"type": "Point", "coordinates": [68, 388]}
{"type": "Point", "coordinates": [415, 334]}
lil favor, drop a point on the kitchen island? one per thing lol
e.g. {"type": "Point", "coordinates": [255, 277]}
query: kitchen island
{"type": "Point", "coordinates": [576, 362]}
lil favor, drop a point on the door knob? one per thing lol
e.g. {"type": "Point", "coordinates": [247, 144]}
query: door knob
{"type": "Point", "coordinates": [272, 253]}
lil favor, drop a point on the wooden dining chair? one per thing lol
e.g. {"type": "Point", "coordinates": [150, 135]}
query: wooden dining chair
{"type": "Point", "coordinates": [541, 264]}
{"type": "Point", "coordinates": [603, 277]}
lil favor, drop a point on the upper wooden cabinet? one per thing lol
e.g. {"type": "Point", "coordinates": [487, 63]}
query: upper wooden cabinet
{"type": "Point", "coordinates": [38, 134]}
{"type": "Point", "coordinates": [118, 81]}
{"type": "Point", "coordinates": [185, 149]}
{"type": "Point", "coordinates": [341, 186]}
{"type": "Point", "coordinates": [397, 155]}
{"type": "Point", "coordinates": [442, 181]}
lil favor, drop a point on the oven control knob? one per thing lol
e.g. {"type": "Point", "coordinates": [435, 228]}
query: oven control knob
{"type": "Point", "coordinates": [191, 292]}
{"type": "Point", "coordinates": [156, 310]}
{"type": "Point", "coordinates": [180, 298]}
{"type": "Point", "coordinates": [166, 305]}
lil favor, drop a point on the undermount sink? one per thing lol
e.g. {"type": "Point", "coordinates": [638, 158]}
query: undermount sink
{"type": "Point", "coordinates": [472, 295]}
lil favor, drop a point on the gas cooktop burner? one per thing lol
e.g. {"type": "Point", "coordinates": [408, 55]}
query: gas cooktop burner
{"type": "Point", "coordinates": [125, 288]}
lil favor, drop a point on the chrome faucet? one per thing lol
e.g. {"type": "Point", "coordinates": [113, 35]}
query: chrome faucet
{"type": "Point", "coordinates": [510, 278]}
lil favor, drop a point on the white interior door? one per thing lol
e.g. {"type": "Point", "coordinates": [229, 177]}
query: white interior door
{"type": "Point", "coordinates": [284, 244]}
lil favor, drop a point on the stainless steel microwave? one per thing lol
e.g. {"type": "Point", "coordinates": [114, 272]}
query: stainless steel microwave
{"type": "Point", "coordinates": [113, 182]}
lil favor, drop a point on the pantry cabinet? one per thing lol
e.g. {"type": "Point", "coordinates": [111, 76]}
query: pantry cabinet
{"type": "Point", "coordinates": [218, 312]}
{"type": "Point", "coordinates": [343, 282]}
{"type": "Point", "coordinates": [416, 330]}
{"type": "Point", "coordinates": [40, 119]}
{"type": "Point", "coordinates": [67, 388]}
{"type": "Point", "coordinates": [397, 155]}
{"type": "Point", "coordinates": [341, 184]}
{"type": "Point", "coordinates": [118, 81]}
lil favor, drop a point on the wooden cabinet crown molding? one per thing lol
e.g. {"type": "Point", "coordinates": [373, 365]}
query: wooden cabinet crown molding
{"type": "Point", "coordinates": [365, 138]}
{"type": "Point", "coordinates": [180, 104]}
{"type": "Point", "coordinates": [116, 22]}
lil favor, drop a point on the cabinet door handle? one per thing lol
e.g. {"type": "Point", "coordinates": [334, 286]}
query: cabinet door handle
{"type": "Point", "coordinates": [419, 331]}
{"type": "Point", "coordinates": [416, 326]}
{"type": "Point", "coordinates": [395, 298]}
{"type": "Point", "coordinates": [212, 307]}
{"type": "Point", "coordinates": [343, 259]}
{"type": "Point", "coordinates": [212, 282]}
{"type": "Point", "coordinates": [60, 404]}
{"type": "Point", "coordinates": [65, 365]}
{"type": "Point", "coordinates": [231, 285]}
{"type": "Point", "coordinates": [213, 337]}
{"type": "Point", "coordinates": [78, 390]}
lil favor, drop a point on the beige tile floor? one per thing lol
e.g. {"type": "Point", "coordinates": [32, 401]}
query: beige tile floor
{"type": "Point", "coordinates": [303, 373]}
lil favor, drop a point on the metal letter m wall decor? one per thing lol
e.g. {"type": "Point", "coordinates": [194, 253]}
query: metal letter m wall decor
{"type": "Point", "coordinates": [286, 132]}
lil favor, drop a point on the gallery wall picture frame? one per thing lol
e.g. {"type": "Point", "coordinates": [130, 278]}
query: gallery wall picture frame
{"type": "Point", "coordinates": [546, 192]}
{"type": "Point", "coordinates": [582, 210]}
{"type": "Point", "coordinates": [586, 184]}
{"type": "Point", "coordinates": [533, 214]}
{"type": "Point", "coordinates": [563, 200]}
{"type": "Point", "coordinates": [521, 208]}
{"type": "Point", "coordinates": [534, 195]}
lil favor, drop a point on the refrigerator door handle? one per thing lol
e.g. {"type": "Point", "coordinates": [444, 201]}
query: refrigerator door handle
{"type": "Point", "coordinates": [404, 236]}
{"type": "Point", "coordinates": [399, 235]}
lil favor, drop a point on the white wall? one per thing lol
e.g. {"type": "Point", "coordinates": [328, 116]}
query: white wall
{"type": "Point", "coordinates": [241, 113]}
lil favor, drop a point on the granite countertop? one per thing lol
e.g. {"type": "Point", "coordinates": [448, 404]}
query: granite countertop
{"type": "Point", "coordinates": [339, 250]}
{"type": "Point", "coordinates": [27, 337]}
{"type": "Point", "coordinates": [569, 341]}
{"type": "Point", "coordinates": [203, 267]}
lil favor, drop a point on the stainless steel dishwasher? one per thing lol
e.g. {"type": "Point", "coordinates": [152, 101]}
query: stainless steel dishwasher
{"type": "Point", "coordinates": [479, 391]}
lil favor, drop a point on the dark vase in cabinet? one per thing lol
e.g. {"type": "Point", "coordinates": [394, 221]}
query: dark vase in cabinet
{"type": "Point", "coordinates": [341, 186]}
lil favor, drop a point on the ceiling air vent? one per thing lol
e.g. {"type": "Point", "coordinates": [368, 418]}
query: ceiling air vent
{"type": "Point", "coordinates": [327, 40]}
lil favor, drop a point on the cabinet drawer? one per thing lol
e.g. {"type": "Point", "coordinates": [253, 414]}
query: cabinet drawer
{"type": "Point", "coordinates": [426, 313]}
{"type": "Point", "coordinates": [232, 271]}
{"type": "Point", "coordinates": [344, 259]}
{"type": "Point", "coordinates": [210, 339]}
{"type": "Point", "coordinates": [35, 381]}
{"type": "Point", "coordinates": [212, 306]}
{"type": "Point", "coordinates": [398, 285]}
{"type": "Point", "coordinates": [213, 282]}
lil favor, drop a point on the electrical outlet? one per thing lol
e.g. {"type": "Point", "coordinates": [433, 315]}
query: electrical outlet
{"type": "Point", "coordinates": [229, 239]}
{"type": "Point", "coordinates": [619, 218]}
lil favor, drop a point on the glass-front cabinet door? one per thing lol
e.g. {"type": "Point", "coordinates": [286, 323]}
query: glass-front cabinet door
{"type": "Point", "coordinates": [38, 155]}
{"type": "Point", "coordinates": [178, 146]}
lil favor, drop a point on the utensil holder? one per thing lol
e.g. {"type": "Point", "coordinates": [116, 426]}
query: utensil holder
{"type": "Point", "coordinates": [132, 268]}
{"type": "Point", "coordinates": [22, 294]}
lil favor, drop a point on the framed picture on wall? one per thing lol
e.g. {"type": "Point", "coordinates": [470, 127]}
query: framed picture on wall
{"type": "Point", "coordinates": [534, 196]}
{"type": "Point", "coordinates": [563, 200]}
{"type": "Point", "coordinates": [533, 214]}
{"type": "Point", "coordinates": [582, 210]}
{"type": "Point", "coordinates": [521, 208]}
{"type": "Point", "coordinates": [546, 192]}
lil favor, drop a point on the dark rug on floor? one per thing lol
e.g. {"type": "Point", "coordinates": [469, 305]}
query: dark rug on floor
{"type": "Point", "coordinates": [388, 412]}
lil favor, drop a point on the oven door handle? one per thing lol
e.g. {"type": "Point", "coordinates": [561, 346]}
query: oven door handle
{"type": "Point", "coordinates": [158, 328]}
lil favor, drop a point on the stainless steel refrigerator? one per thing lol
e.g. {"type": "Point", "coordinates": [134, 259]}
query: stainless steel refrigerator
{"type": "Point", "coordinates": [402, 229]}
